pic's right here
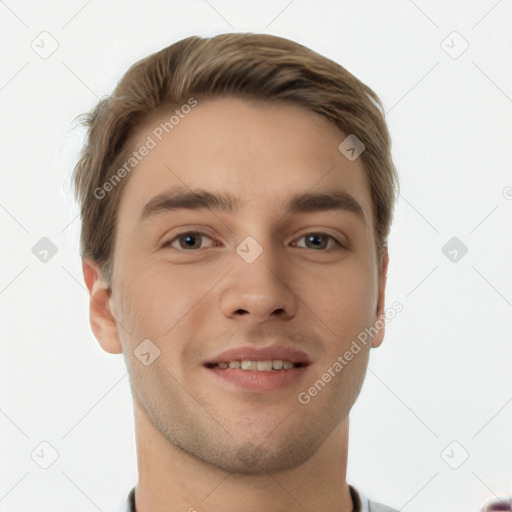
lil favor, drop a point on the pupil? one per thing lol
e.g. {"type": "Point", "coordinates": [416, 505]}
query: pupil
{"type": "Point", "coordinates": [190, 238]}
{"type": "Point", "coordinates": [312, 238]}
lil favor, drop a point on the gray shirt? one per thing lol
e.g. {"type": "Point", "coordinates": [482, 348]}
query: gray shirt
{"type": "Point", "coordinates": [361, 503]}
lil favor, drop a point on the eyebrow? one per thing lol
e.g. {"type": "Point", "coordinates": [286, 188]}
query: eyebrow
{"type": "Point", "coordinates": [181, 198]}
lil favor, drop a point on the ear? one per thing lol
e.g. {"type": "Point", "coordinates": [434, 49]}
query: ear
{"type": "Point", "coordinates": [103, 323]}
{"type": "Point", "coordinates": [380, 315]}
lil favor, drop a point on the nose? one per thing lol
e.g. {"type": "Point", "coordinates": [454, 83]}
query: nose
{"type": "Point", "coordinates": [259, 290]}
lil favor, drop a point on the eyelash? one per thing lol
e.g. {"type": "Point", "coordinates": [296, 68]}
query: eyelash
{"type": "Point", "coordinates": [340, 245]}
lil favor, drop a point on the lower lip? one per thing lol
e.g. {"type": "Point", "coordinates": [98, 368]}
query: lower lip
{"type": "Point", "coordinates": [257, 380]}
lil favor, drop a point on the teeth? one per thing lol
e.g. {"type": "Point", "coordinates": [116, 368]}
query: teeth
{"type": "Point", "coordinates": [262, 366]}
{"type": "Point", "coordinates": [277, 365]}
{"type": "Point", "coordinates": [249, 365]}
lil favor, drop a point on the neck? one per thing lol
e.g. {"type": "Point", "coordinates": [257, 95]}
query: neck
{"type": "Point", "coordinates": [172, 480]}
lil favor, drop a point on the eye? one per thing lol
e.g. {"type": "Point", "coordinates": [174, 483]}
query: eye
{"type": "Point", "coordinates": [191, 240]}
{"type": "Point", "coordinates": [318, 241]}
{"type": "Point", "coordinates": [187, 240]}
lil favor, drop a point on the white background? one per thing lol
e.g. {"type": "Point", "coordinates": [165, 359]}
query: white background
{"type": "Point", "coordinates": [443, 373]}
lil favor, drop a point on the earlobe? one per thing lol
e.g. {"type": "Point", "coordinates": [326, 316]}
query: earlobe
{"type": "Point", "coordinates": [380, 314]}
{"type": "Point", "coordinates": [103, 323]}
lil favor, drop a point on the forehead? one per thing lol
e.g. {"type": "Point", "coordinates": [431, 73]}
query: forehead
{"type": "Point", "coordinates": [261, 153]}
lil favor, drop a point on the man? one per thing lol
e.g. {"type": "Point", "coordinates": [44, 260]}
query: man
{"type": "Point", "coordinates": [236, 195]}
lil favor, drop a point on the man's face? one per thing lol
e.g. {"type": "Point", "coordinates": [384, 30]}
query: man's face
{"type": "Point", "coordinates": [196, 295]}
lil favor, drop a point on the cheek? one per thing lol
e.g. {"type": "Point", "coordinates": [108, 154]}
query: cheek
{"type": "Point", "coordinates": [340, 302]}
{"type": "Point", "coordinates": [159, 300]}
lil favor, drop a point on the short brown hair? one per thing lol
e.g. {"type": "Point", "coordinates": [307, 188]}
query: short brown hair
{"type": "Point", "coordinates": [248, 65]}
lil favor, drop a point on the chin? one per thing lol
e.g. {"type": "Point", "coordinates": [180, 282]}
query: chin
{"type": "Point", "coordinates": [254, 460]}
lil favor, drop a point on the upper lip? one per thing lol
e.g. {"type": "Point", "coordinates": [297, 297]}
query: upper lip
{"type": "Point", "coordinates": [253, 353]}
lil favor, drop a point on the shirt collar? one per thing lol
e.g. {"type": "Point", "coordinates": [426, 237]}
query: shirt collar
{"type": "Point", "coordinates": [359, 500]}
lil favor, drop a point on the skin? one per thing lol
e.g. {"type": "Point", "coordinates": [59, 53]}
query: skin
{"type": "Point", "coordinates": [200, 444]}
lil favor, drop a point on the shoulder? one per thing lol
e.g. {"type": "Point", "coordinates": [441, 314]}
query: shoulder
{"type": "Point", "coordinates": [379, 507]}
{"type": "Point", "coordinates": [363, 504]}
{"type": "Point", "coordinates": [128, 504]}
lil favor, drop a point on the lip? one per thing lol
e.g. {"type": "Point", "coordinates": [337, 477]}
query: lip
{"type": "Point", "coordinates": [253, 353]}
{"type": "Point", "coordinates": [254, 380]}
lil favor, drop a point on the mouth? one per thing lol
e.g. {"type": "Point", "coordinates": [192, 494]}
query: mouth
{"type": "Point", "coordinates": [257, 368]}
{"type": "Point", "coordinates": [269, 365]}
